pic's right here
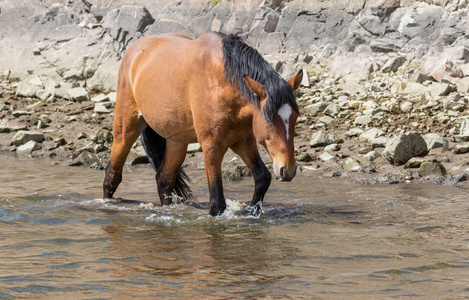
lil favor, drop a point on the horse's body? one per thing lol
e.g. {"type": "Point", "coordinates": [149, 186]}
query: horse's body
{"type": "Point", "coordinates": [173, 91]}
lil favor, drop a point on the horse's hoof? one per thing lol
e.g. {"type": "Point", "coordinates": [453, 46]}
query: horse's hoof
{"type": "Point", "coordinates": [255, 210]}
{"type": "Point", "coordinates": [216, 211]}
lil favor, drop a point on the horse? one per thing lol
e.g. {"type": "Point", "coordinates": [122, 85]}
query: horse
{"type": "Point", "coordinates": [215, 90]}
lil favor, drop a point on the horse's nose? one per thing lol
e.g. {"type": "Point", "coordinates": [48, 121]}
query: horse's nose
{"type": "Point", "coordinates": [287, 174]}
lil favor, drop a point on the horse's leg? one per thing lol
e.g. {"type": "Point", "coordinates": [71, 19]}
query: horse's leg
{"type": "Point", "coordinates": [127, 128]}
{"type": "Point", "coordinates": [166, 175]}
{"type": "Point", "coordinates": [247, 150]}
{"type": "Point", "coordinates": [213, 156]}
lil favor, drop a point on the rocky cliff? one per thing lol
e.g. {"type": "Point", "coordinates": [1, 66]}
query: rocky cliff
{"type": "Point", "coordinates": [82, 41]}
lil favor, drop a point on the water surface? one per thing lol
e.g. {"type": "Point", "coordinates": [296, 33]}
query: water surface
{"type": "Point", "coordinates": [318, 238]}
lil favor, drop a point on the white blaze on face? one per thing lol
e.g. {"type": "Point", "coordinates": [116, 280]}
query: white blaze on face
{"type": "Point", "coordinates": [285, 112]}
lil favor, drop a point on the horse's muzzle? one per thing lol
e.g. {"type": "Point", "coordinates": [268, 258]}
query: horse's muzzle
{"type": "Point", "coordinates": [286, 174]}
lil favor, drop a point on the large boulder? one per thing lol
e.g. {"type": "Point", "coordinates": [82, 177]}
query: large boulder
{"type": "Point", "coordinates": [403, 147]}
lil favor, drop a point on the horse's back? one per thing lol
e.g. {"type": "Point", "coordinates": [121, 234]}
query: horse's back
{"type": "Point", "coordinates": [167, 74]}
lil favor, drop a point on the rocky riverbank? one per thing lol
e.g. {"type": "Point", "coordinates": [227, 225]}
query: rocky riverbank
{"type": "Point", "coordinates": [388, 129]}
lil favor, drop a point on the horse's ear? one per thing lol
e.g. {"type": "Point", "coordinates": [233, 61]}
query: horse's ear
{"type": "Point", "coordinates": [295, 81]}
{"type": "Point", "coordinates": [256, 87]}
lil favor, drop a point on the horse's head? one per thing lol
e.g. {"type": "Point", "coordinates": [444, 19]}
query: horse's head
{"type": "Point", "coordinates": [277, 137]}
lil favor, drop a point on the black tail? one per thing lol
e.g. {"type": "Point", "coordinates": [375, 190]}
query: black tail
{"type": "Point", "coordinates": [155, 147]}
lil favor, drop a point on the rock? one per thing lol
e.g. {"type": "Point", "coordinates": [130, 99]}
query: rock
{"type": "Point", "coordinates": [233, 172]}
{"type": "Point", "coordinates": [29, 86]}
{"type": "Point", "coordinates": [461, 148]}
{"type": "Point", "coordinates": [406, 107]}
{"type": "Point", "coordinates": [393, 64]}
{"type": "Point", "coordinates": [81, 135]}
{"type": "Point", "coordinates": [433, 141]}
{"type": "Point", "coordinates": [19, 113]}
{"type": "Point", "coordinates": [326, 156]}
{"type": "Point", "coordinates": [354, 132]}
{"type": "Point", "coordinates": [304, 157]}
{"type": "Point", "coordinates": [78, 94]}
{"type": "Point", "coordinates": [403, 147]}
{"type": "Point", "coordinates": [332, 147]}
{"type": "Point", "coordinates": [371, 156]}
{"type": "Point", "coordinates": [369, 134]}
{"type": "Point", "coordinates": [464, 127]}
{"type": "Point", "coordinates": [102, 136]}
{"type": "Point", "coordinates": [325, 119]}
{"type": "Point", "coordinates": [101, 98]}
{"type": "Point", "coordinates": [86, 158]}
{"type": "Point", "coordinates": [27, 148]}
{"type": "Point", "coordinates": [414, 162]}
{"type": "Point", "coordinates": [125, 22]}
{"type": "Point", "coordinates": [446, 68]}
{"type": "Point", "coordinates": [440, 89]}
{"type": "Point", "coordinates": [452, 179]}
{"type": "Point", "coordinates": [112, 97]}
{"type": "Point", "coordinates": [379, 142]}
{"type": "Point", "coordinates": [321, 139]}
{"type": "Point", "coordinates": [432, 168]}
{"type": "Point", "coordinates": [101, 108]}
{"type": "Point", "coordinates": [136, 156]}
{"type": "Point", "coordinates": [62, 88]}
{"type": "Point", "coordinates": [462, 85]}
{"type": "Point", "coordinates": [362, 120]}
{"type": "Point", "coordinates": [331, 110]}
{"type": "Point", "coordinates": [22, 137]}
{"type": "Point", "coordinates": [351, 164]}
{"type": "Point", "coordinates": [315, 108]}
{"type": "Point", "coordinates": [194, 148]}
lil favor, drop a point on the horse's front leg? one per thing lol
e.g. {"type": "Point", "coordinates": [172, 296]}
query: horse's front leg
{"type": "Point", "coordinates": [247, 150]}
{"type": "Point", "coordinates": [213, 156]}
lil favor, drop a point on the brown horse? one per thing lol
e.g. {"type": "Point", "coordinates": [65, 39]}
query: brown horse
{"type": "Point", "coordinates": [215, 90]}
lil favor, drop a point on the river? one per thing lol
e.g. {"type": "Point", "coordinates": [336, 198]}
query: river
{"type": "Point", "coordinates": [318, 238]}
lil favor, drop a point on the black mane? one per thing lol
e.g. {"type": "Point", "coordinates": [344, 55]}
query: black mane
{"type": "Point", "coordinates": [240, 60]}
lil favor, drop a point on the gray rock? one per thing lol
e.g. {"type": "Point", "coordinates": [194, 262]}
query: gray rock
{"type": "Point", "coordinates": [440, 89]}
{"type": "Point", "coordinates": [102, 136]}
{"type": "Point", "coordinates": [22, 137]}
{"type": "Point", "coordinates": [101, 108]}
{"type": "Point", "coordinates": [234, 172]}
{"type": "Point", "coordinates": [304, 157]}
{"type": "Point", "coordinates": [403, 147]}
{"type": "Point", "coordinates": [125, 22]}
{"type": "Point", "coordinates": [136, 156]}
{"type": "Point", "coordinates": [321, 139]}
{"type": "Point", "coordinates": [27, 148]}
{"type": "Point", "coordinates": [362, 120]}
{"type": "Point", "coordinates": [29, 87]}
{"type": "Point", "coordinates": [464, 127]}
{"type": "Point", "coordinates": [101, 98]}
{"type": "Point", "coordinates": [62, 88]}
{"type": "Point", "coordinates": [379, 142]}
{"type": "Point", "coordinates": [406, 106]}
{"type": "Point", "coordinates": [326, 156]}
{"type": "Point", "coordinates": [331, 110]}
{"type": "Point", "coordinates": [414, 162]}
{"type": "Point", "coordinates": [351, 164]}
{"type": "Point", "coordinates": [325, 119]}
{"type": "Point", "coordinates": [432, 168]}
{"type": "Point", "coordinates": [394, 63]}
{"type": "Point", "coordinates": [354, 132]}
{"type": "Point", "coordinates": [78, 94]}
{"type": "Point", "coordinates": [433, 141]}
{"type": "Point", "coordinates": [194, 148]}
{"type": "Point", "coordinates": [462, 85]}
{"type": "Point", "coordinates": [369, 134]}
{"type": "Point", "coordinates": [315, 108]}
{"type": "Point", "coordinates": [332, 147]}
{"type": "Point", "coordinates": [89, 159]}
{"type": "Point", "coordinates": [371, 156]}
{"type": "Point", "coordinates": [461, 148]}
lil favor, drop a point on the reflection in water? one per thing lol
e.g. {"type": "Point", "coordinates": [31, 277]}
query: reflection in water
{"type": "Point", "coordinates": [340, 241]}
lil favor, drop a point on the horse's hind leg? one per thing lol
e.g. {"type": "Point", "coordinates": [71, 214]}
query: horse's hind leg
{"type": "Point", "coordinates": [128, 125]}
{"type": "Point", "coordinates": [247, 150]}
{"type": "Point", "coordinates": [168, 171]}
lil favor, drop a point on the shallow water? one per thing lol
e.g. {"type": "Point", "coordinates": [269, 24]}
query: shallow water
{"type": "Point", "coordinates": [318, 238]}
